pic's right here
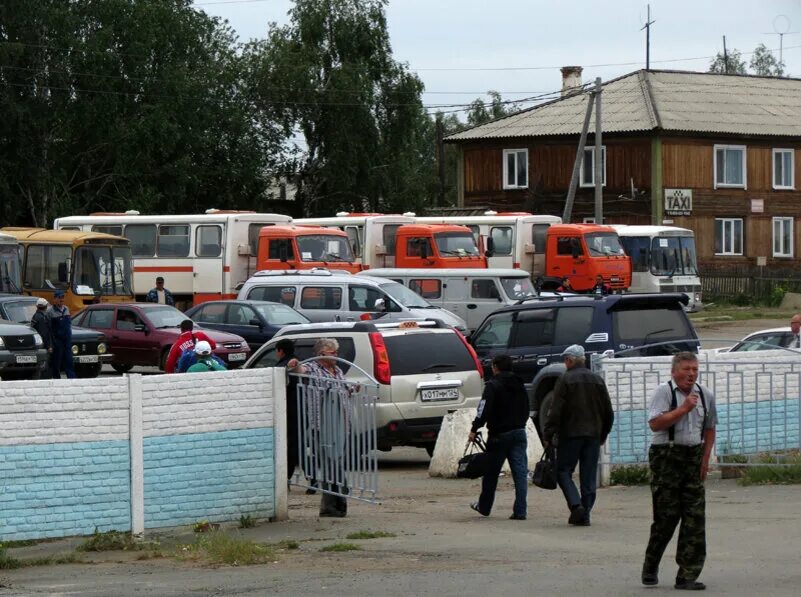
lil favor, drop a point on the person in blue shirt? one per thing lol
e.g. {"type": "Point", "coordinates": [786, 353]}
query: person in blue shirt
{"type": "Point", "coordinates": [61, 329]}
{"type": "Point", "coordinates": [159, 294]}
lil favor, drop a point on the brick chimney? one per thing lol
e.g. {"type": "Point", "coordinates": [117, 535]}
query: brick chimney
{"type": "Point", "coordinates": [571, 78]}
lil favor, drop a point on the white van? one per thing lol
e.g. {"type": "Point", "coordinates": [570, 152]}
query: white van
{"type": "Point", "coordinates": [471, 294]}
{"type": "Point", "coordinates": [322, 295]}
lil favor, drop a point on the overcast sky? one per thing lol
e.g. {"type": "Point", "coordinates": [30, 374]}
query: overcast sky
{"type": "Point", "coordinates": [442, 39]}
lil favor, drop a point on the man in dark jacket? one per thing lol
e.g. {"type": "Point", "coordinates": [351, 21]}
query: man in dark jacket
{"type": "Point", "coordinates": [504, 410]}
{"type": "Point", "coordinates": [61, 326]}
{"type": "Point", "coordinates": [578, 423]}
{"type": "Point", "coordinates": [41, 323]}
{"type": "Point", "coordinates": [285, 351]}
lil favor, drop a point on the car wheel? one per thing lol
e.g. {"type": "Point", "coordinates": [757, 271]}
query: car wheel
{"type": "Point", "coordinates": [164, 355]}
{"type": "Point", "coordinates": [430, 449]}
{"type": "Point", "coordinates": [542, 415]}
{"type": "Point", "coordinates": [121, 367]}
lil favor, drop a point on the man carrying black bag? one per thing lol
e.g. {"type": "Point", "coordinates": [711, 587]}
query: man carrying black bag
{"type": "Point", "coordinates": [504, 410]}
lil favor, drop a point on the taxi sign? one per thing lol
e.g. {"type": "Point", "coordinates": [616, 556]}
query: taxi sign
{"type": "Point", "coordinates": [408, 324]}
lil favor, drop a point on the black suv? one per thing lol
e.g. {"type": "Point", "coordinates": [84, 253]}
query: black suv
{"type": "Point", "coordinates": [535, 332]}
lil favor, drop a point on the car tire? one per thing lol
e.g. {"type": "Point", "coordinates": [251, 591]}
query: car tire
{"type": "Point", "coordinates": [121, 367]}
{"type": "Point", "coordinates": [542, 415]}
{"type": "Point", "coordinates": [163, 360]}
{"type": "Point", "coordinates": [430, 449]}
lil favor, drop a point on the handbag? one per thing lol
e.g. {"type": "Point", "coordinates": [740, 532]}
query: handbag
{"type": "Point", "coordinates": [475, 461]}
{"type": "Point", "coordinates": [544, 475]}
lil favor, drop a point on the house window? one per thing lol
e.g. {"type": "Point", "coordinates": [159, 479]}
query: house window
{"type": "Point", "coordinates": [782, 237]}
{"type": "Point", "coordinates": [783, 169]}
{"type": "Point", "coordinates": [730, 166]}
{"type": "Point", "coordinates": [588, 167]}
{"type": "Point", "coordinates": [728, 236]}
{"type": "Point", "coordinates": [515, 168]}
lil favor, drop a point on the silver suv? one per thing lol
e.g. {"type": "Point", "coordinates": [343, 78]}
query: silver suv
{"type": "Point", "coordinates": [432, 371]}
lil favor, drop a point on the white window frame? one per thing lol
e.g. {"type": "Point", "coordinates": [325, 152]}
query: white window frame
{"type": "Point", "coordinates": [726, 185]}
{"type": "Point", "coordinates": [781, 151]}
{"type": "Point", "coordinates": [507, 152]}
{"type": "Point", "coordinates": [784, 251]}
{"type": "Point", "coordinates": [723, 243]}
{"type": "Point", "coordinates": [591, 149]}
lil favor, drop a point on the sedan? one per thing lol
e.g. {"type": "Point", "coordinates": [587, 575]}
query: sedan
{"type": "Point", "coordinates": [764, 340]}
{"type": "Point", "coordinates": [141, 334]}
{"type": "Point", "coordinates": [256, 321]}
{"type": "Point", "coordinates": [89, 348]}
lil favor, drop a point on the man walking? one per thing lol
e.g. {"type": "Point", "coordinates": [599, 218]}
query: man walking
{"type": "Point", "coordinates": [188, 339]}
{"type": "Point", "coordinates": [159, 294]}
{"type": "Point", "coordinates": [504, 410]}
{"type": "Point", "coordinates": [682, 416]}
{"type": "Point", "coordinates": [41, 323]}
{"type": "Point", "coordinates": [61, 326]}
{"type": "Point", "coordinates": [579, 421]}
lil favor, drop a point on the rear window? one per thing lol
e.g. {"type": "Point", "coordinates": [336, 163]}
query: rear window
{"type": "Point", "coordinates": [419, 352]}
{"type": "Point", "coordinates": [649, 326]}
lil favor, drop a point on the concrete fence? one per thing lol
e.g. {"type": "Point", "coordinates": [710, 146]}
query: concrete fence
{"type": "Point", "coordinates": [136, 453]}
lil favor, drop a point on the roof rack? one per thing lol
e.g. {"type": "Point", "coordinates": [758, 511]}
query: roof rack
{"type": "Point", "coordinates": [315, 271]}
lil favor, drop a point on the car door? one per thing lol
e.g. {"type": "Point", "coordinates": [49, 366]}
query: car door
{"type": "Point", "coordinates": [212, 316]}
{"type": "Point", "coordinates": [531, 345]}
{"type": "Point", "coordinates": [322, 302]}
{"type": "Point", "coordinates": [485, 298]}
{"type": "Point", "coordinates": [362, 299]}
{"type": "Point", "coordinates": [101, 320]}
{"type": "Point", "coordinates": [134, 338]}
{"type": "Point", "coordinates": [243, 321]}
{"type": "Point", "coordinates": [493, 337]}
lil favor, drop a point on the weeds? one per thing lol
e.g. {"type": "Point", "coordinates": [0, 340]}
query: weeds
{"type": "Point", "coordinates": [219, 548]}
{"type": "Point", "coordinates": [204, 526]}
{"type": "Point", "coordinates": [787, 473]}
{"type": "Point", "coordinates": [337, 547]}
{"type": "Point", "coordinates": [632, 474]}
{"type": "Point", "coordinates": [110, 541]}
{"type": "Point", "coordinates": [246, 522]}
{"type": "Point", "coordinates": [370, 535]}
{"type": "Point", "coordinates": [288, 544]}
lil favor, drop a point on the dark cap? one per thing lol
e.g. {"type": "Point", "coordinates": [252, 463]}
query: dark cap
{"type": "Point", "coordinates": [159, 279]}
{"type": "Point", "coordinates": [58, 294]}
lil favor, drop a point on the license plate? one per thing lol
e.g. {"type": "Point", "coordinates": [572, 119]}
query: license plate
{"type": "Point", "coordinates": [26, 359]}
{"type": "Point", "coordinates": [89, 358]}
{"type": "Point", "coordinates": [614, 279]}
{"type": "Point", "coordinates": [237, 356]}
{"type": "Point", "coordinates": [439, 394]}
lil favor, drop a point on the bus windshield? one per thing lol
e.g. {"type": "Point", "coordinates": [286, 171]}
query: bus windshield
{"type": "Point", "coordinates": [674, 256]}
{"type": "Point", "coordinates": [459, 244]}
{"type": "Point", "coordinates": [10, 281]}
{"type": "Point", "coordinates": [603, 244]}
{"type": "Point", "coordinates": [324, 247]}
{"type": "Point", "coordinates": [103, 270]}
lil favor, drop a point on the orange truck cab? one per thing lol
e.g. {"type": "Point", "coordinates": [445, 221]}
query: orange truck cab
{"type": "Point", "coordinates": [305, 247]}
{"type": "Point", "coordinates": [582, 252]}
{"type": "Point", "coordinates": [437, 246]}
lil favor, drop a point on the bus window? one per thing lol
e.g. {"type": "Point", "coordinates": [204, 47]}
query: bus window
{"type": "Point", "coordinates": [502, 237]}
{"type": "Point", "coordinates": [173, 241]}
{"type": "Point", "coordinates": [355, 241]}
{"type": "Point", "coordinates": [389, 233]}
{"type": "Point", "coordinates": [143, 239]}
{"type": "Point", "coordinates": [539, 236]}
{"type": "Point", "coordinates": [115, 230]}
{"type": "Point", "coordinates": [208, 241]}
{"type": "Point", "coordinates": [638, 248]}
{"type": "Point", "coordinates": [46, 267]}
{"type": "Point", "coordinates": [427, 288]}
{"type": "Point", "coordinates": [253, 237]}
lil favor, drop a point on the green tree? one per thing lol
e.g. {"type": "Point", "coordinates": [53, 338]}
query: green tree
{"type": "Point", "coordinates": [732, 64]}
{"type": "Point", "coordinates": [481, 111]}
{"type": "Point", "coordinates": [763, 62]}
{"type": "Point", "coordinates": [329, 78]}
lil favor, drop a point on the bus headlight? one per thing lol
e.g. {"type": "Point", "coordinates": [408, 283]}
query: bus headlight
{"type": "Point", "coordinates": [101, 348]}
{"type": "Point", "coordinates": [74, 349]}
{"type": "Point", "coordinates": [36, 338]}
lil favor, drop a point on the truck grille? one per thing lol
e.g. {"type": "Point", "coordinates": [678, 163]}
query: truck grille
{"type": "Point", "coordinates": [25, 342]}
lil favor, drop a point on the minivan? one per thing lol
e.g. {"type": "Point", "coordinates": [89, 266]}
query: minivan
{"type": "Point", "coordinates": [323, 296]}
{"type": "Point", "coordinates": [471, 294]}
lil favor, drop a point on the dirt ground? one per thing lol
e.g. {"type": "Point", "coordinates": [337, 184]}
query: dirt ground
{"type": "Point", "coordinates": [443, 548]}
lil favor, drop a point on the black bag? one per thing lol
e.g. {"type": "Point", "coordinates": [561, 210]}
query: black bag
{"type": "Point", "coordinates": [476, 463]}
{"type": "Point", "coordinates": [544, 475]}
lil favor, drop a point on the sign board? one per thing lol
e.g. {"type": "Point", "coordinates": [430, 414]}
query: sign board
{"type": "Point", "coordinates": [762, 261]}
{"type": "Point", "coordinates": [678, 202]}
{"type": "Point", "coordinates": [757, 206]}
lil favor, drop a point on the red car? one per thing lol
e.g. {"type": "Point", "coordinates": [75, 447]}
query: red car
{"type": "Point", "coordinates": [142, 334]}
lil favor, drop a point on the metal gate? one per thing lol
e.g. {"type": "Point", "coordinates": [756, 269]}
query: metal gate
{"type": "Point", "coordinates": [337, 433]}
{"type": "Point", "coordinates": [757, 398]}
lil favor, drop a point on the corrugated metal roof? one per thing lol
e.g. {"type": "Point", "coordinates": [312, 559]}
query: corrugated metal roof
{"type": "Point", "coordinates": [667, 100]}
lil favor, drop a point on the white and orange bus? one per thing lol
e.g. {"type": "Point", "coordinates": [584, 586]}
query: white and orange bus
{"type": "Point", "coordinates": [202, 257]}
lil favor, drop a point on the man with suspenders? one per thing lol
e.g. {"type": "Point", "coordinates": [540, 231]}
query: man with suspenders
{"type": "Point", "coordinates": [682, 416]}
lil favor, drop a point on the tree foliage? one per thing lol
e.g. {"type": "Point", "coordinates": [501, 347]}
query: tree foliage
{"type": "Point", "coordinates": [481, 111]}
{"type": "Point", "coordinates": [732, 63]}
{"type": "Point", "coordinates": [763, 62]}
{"type": "Point", "coordinates": [124, 104]}
{"type": "Point", "coordinates": [329, 78]}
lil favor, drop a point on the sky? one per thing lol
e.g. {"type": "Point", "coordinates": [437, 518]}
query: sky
{"type": "Point", "coordinates": [522, 43]}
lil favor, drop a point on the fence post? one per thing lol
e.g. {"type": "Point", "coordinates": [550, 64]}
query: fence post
{"type": "Point", "coordinates": [136, 440]}
{"type": "Point", "coordinates": [279, 443]}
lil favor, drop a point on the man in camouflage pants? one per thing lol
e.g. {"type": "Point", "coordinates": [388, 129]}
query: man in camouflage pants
{"type": "Point", "coordinates": [682, 416]}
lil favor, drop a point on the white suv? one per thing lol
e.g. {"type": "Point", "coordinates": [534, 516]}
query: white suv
{"type": "Point", "coordinates": [432, 371]}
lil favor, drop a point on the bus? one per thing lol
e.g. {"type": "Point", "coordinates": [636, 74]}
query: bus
{"type": "Point", "coordinates": [89, 267]}
{"type": "Point", "coordinates": [201, 257]}
{"type": "Point", "coordinates": [663, 259]}
{"type": "Point", "coordinates": [10, 265]}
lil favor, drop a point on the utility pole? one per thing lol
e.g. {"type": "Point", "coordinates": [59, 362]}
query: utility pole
{"type": "Point", "coordinates": [571, 192]}
{"type": "Point", "coordinates": [725, 57]}
{"type": "Point", "coordinates": [599, 188]}
{"type": "Point", "coordinates": [647, 27]}
{"type": "Point", "coordinates": [440, 160]}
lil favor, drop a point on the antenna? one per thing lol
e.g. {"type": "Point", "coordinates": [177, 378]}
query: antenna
{"type": "Point", "coordinates": [781, 27]}
{"type": "Point", "coordinates": [647, 27]}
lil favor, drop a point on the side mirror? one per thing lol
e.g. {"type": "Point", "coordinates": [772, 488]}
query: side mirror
{"type": "Point", "coordinates": [490, 251]}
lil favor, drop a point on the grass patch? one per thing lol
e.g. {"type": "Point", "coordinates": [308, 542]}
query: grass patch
{"type": "Point", "coordinates": [337, 547]}
{"type": "Point", "coordinates": [288, 544]}
{"type": "Point", "coordinates": [8, 562]}
{"type": "Point", "coordinates": [204, 526]}
{"type": "Point", "coordinates": [370, 535]}
{"type": "Point", "coordinates": [630, 474]}
{"type": "Point", "coordinates": [246, 522]}
{"type": "Point", "coordinates": [110, 541]}
{"type": "Point", "coordinates": [771, 475]}
{"type": "Point", "coordinates": [220, 548]}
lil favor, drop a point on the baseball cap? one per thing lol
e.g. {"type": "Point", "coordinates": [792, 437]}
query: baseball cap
{"type": "Point", "coordinates": [41, 302]}
{"type": "Point", "coordinates": [202, 348]}
{"type": "Point", "coordinates": [574, 350]}
{"type": "Point", "coordinates": [58, 294]}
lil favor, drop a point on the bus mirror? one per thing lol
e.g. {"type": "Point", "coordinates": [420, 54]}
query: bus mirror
{"type": "Point", "coordinates": [63, 268]}
{"type": "Point", "coordinates": [490, 247]}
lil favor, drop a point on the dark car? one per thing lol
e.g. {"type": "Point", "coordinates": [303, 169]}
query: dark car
{"type": "Point", "coordinates": [256, 321]}
{"type": "Point", "coordinates": [535, 333]}
{"type": "Point", "coordinates": [89, 348]}
{"type": "Point", "coordinates": [22, 353]}
{"type": "Point", "coordinates": [141, 334]}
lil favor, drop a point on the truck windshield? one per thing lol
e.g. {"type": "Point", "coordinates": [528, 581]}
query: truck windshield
{"type": "Point", "coordinates": [518, 288]}
{"type": "Point", "coordinates": [459, 244]}
{"type": "Point", "coordinates": [9, 269]}
{"type": "Point", "coordinates": [674, 256]}
{"type": "Point", "coordinates": [602, 244]}
{"type": "Point", "coordinates": [102, 270]}
{"type": "Point", "coordinates": [324, 247]}
{"type": "Point", "coordinates": [407, 298]}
